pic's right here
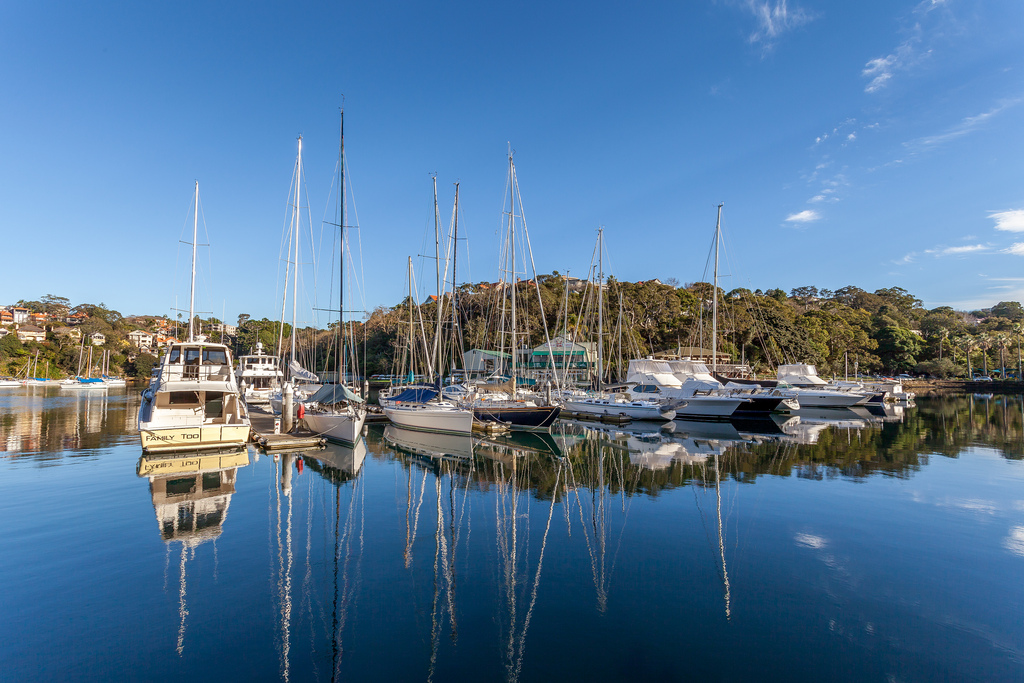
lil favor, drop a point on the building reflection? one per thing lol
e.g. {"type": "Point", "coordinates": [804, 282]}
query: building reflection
{"type": "Point", "coordinates": [39, 419]}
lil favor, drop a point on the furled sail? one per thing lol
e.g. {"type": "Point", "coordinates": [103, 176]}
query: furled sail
{"type": "Point", "coordinates": [299, 372]}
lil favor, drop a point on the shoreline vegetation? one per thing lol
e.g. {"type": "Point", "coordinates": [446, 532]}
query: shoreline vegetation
{"type": "Point", "coordinates": [845, 331]}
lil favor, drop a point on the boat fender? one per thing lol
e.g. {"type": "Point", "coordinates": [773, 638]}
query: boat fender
{"type": "Point", "coordinates": [148, 394]}
{"type": "Point", "coordinates": [302, 411]}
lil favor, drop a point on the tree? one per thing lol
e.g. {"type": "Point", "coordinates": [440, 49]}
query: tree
{"type": "Point", "coordinates": [1008, 309]}
{"type": "Point", "coordinates": [898, 348]}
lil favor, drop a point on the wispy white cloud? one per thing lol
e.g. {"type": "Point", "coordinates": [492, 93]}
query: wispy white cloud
{"type": "Point", "coordinates": [967, 125]}
{"type": "Point", "coordinates": [774, 18]}
{"type": "Point", "coordinates": [1017, 249]}
{"type": "Point", "coordinates": [881, 70]}
{"type": "Point", "coordinates": [908, 258]}
{"type": "Point", "coordinates": [805, 216]}
{"type": "Point", "coordinates": [816, 198]}
{"type": "Point", "coordinates": [966, 249]}
{"type": "Point", "coordinates": [1010, 221]}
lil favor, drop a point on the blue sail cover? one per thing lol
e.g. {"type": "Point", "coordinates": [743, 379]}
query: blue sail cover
{"type": "Point", "coordinates": [417, 395]}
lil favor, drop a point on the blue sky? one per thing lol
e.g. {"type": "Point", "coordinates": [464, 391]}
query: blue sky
{"type": "Point", "coordinates": [876, 143]}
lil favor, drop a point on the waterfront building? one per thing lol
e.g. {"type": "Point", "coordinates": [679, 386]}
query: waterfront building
{"type": "Point", "coordinates": [560, 358]}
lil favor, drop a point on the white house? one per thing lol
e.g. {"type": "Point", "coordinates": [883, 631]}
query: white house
{"type": "Point", "coordinates": [140, 339]}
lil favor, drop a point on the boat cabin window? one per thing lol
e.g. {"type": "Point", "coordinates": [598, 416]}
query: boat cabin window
{"type": "Point", "coordinates": [215, 357]}
{"type": "Point", "coordinates": [175, 355]}
{"type": "Point", "coordinates": [183, 398]}
{"type": "Point", "coordinates": [182, 486]}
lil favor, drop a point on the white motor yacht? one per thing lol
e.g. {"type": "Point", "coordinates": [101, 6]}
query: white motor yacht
{"type": "Point", "coordinates": [260, 375]}
{"type": "Point", "coordinates": [635, 409]}
{"type": "Point", "coordinates": [192, 401]}
{"type": "Point", "coordinates": [654, 380]}
{"type": "Point", "coordinates": [812, 391]}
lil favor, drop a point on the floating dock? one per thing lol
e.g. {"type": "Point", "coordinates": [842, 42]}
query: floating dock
{"type": "Point", "coordinates": [262, 434]}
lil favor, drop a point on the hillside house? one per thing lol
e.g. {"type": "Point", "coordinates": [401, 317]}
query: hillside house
{"type": "Point", "coordinates": [27, 333]}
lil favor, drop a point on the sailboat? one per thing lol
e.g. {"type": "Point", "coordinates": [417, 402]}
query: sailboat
{"type": "Point", "coordinates": [424, 408]}
{"type": "Point", "coordinates": [504, 404]}
{"type": "Point", "coordinates": [602, 403]}
{"type": "Point", "coordinates": [192, 402]}
{"type": "Point", "coordinates": [295, 373]}
{"type": "Point", "coordinates": [334, 411]}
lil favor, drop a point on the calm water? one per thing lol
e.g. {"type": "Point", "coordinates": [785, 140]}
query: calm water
{"type": "Point", "coordinates": [848, 546]}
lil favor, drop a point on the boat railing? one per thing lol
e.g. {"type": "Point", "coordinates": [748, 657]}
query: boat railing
{"type": "Point", "coordinates": [192, 372]}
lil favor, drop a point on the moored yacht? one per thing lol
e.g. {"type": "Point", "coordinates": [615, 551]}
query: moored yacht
{"type": "Point", "coordinates": [259, 375]}
{"type": "Point", "coordinates": [192, 403]}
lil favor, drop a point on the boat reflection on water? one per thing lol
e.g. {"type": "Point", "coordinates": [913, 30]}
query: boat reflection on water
{"type": "Point", "coordinates": [336, 463]}
{"type": "Point", "coordinates": [339, 466]}
{"type": "Point", "coordinates": [191, 496]}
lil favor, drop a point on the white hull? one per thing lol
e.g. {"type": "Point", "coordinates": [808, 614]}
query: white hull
{"type": "Point", "coordinates": [631, 409]}
{"type": "Point", "coordinates": [708, 406]}
{"type": "Point", "coordinates": [343, 427]}
{"type": "Point", "coordinates": [9, 383]}
{"type": "Point", "coordinates": [85, 385]}
{"type": "Point", "coordinates": [828, 399]}
{"type": "Point", "coordinates": [431, 418]}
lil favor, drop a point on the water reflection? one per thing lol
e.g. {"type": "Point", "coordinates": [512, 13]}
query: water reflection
{"type": "Point", "coordinates": [414, 555]}
{"type": "Point", "coordinates": [42, 421]}
{"type": "Point", "coordinates": [191, 495]}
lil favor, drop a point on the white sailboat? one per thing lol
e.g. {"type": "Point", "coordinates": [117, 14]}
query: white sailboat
{"type": "Point", "coordinates": [334, 411]}
{"type": "Point", "coordinates": [602, 403]}
{"type": "Point", "coordinates": [192, 402]}
{"type": "Point", "coordinates": [423, 408]}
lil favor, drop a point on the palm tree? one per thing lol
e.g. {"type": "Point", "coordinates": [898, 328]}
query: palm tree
{"type": "Point", "coordinates": [984, 343]}
{"type": "Point", "coordinates": [966, 342]}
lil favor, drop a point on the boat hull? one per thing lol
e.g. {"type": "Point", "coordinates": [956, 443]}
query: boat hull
{"type": "Point", "coordinates": [616, 408]}
{"type": "Point", "coordinates": [519, 417]}
{"type": "Point", "coordinates": [183, 438]}
{"type": "Point", "coordinates": [341, 428]}
{"type": "Point", "coordinates": [431, 419]}
{"type": "Point", "coordinates": [719, 407]}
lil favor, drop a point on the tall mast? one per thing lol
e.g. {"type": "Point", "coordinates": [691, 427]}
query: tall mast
{"type": "Point", "coordinates": [412, 343]}
{"type": "Point", "coordinates": [295, 225]}
{"type": "Point", "coordinates": [455, 253]}
{"type": "Point", "coordinates": [437, 271]}
{"type": "Point", "coordinates": [600, 306]}
{"type": "Point", "coordinates": [192, 288]}
{"type": "Point", "coordinates": [714, 308]}
{"type": "Point", "coordinates": [512, 246]}
{"type": "Point", "coordinates": [343, 198]}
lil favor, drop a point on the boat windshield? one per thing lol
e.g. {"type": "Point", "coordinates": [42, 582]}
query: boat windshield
{"type": "Point", "coordinates": [215, 357]}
